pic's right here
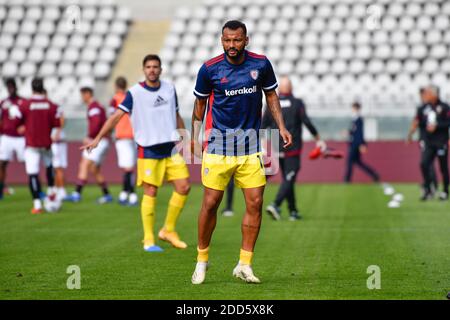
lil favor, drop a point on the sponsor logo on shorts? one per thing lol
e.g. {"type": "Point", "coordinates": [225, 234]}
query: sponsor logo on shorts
{"type": "Point", "coordinates": [148, 172]}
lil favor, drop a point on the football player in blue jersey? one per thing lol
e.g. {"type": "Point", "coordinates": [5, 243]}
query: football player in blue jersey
{"type": "Point", "coordinates": [230, 87]}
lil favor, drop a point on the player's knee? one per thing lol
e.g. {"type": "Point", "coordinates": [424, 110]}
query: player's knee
{"type": "Point", "coordinates": [210, 204]}
{"type": "Point", "coordinates": [255, 204]}
{"type": "Point", "coordinates": [183, 189]}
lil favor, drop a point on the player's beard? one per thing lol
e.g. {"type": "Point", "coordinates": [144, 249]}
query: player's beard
{"type": "Point", "coordinates": [237, 56]}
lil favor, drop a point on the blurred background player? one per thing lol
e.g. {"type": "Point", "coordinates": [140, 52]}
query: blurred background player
{"type": "Point", "coordinates": [59, 155]}
{"type": "Point", "coordinates": [92, 161]}
{"type": "Point", "coordinates": [294, 115]}
{"type": "Point", "coordinates": [421, 125]}
{"type": "Point", "coordinates": [40, 117]}
{"type": "Point", "coordinates": [153, 106]}
{"type": "Point", "coordinates": [228, 210]}
{"type": "Point", "coordinates": [357, 145]}
{"type": "Point", "coordinates": [12, 140]}
{"type": "Point", "coordinates": [434, 116]}
{"type": "Point", "coordinates": [125, 145]}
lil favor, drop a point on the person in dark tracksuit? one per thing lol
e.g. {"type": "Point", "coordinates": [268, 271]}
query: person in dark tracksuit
{"type": "Point", "coordinates": [357, 145]}
{"type": "Point", "coordinates": [228, 209]}
{"type": "Point", "coordinates": [294, 114]}
{"type": "Point", "coordinates": [415, 124]}
{"type": "Point", "coordinates": [434, 115]}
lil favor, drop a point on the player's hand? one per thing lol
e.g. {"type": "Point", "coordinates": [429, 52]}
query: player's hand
{"type": "Point", "coordinates": [57, 136]}
{"type": "Point", "coordinates": [408, 140]}
{"type": "Point", "coordinates": [321, 144]}
{"type": "Point", "coordinates": [196, 149]}
{"type": "Point", "coordinates": [287, 138]}
{"type": "Point", "coordinates": [21, 129]}
{"type": "Point", "coordinates": [90, 145]}
{"type": "Point", "coordinates": [431, 128]}
{"type": "Point", "coordinates": [363, 148]}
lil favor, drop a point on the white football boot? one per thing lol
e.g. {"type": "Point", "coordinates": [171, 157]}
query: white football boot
{"type": "Point", "coordinates": [245, 273]}
{"type": "Point", "coordinates": [199, 273]}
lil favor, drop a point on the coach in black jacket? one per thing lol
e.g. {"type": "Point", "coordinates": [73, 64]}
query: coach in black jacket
{"type": "Point", "coordinates": [294, 115]}
{"type": "Point", "coordinates": [357, 145]}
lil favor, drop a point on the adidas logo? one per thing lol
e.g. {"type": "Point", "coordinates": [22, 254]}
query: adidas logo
{"type": "Point", "coordinates": [159, 101]}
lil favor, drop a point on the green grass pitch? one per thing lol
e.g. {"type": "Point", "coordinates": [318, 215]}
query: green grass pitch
{"type": "Point", "coordinates": [346, 229]}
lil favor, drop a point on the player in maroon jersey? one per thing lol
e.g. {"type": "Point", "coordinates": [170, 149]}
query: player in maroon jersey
{"type": "Point", "coordinates": [40, 117]}
{"type": "Point", "coordinates": [91, 162]}
{"type": "Point", "coordinates": [12, 140]}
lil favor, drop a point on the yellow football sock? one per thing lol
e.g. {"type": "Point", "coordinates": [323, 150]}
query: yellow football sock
{"type": "Point", "coordinates": [202, 254]}
{"type": "Point", "coordinates": [148, 218]}
{"type": "Point", "coordinates": [176, 204]}
{"type": "Point", "coordinates": [245, 257]}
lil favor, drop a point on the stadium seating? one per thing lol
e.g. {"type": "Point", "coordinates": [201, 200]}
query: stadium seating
{"type": "Point", "coordinates": [334, 50]}
{"type": "Point", "coordinates": [37, 38]}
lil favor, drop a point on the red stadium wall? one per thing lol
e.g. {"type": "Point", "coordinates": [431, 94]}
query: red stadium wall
{"type": "Point", "coordinates": [394, 160]}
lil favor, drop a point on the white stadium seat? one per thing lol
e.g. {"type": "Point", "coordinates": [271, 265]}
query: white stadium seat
{"type": "Point", "coordinates": [41, 41]}
{"type": "Point", "coordinates": [401, 51]}
{"type": "Point", "coordinates": [106, 14]}
{"type": "Point", "coordinates": [439, 51]}
{"type": "Point", "coordinates": [113, 41]}
{"type": "Point", "coordinates": [51, 13]}
{"type": "Point", "coordinates": [27, 69]}
{"type": "Point", "coordinates": [419, 51]}
{"type": "Point", "coordinates": [375, 66]}
{"type": "Point", "coordinates": [83, 69]}
{"type": "Point", "coordinates": [106, 55]}
{"type": "Point", "coordinates": [36, 55]}
{"type": "Point", "coordinates": [424, 23]}
{"type": "Point", "coordinates": [47, 69]}
{"type": "Point", "coordinates": [23, 41]}
{"type": "Point", "coordinates": [100, 27]}
{"type": "Point", "coordinates": [28, 27]}
{"type": "Point", "coordinates": [3, 55]}
{"type": "Point", "coordinates": [339, 67]}
{"type": "Point", "coordinates": [411, 66]}
{"type": "Point", "coordinates": [10, 27]}
{"type": "Point", "coordinates": [16, 13]}
{"type": "Point", "coordinates": [88, 55]}
{"type": "Point", "coordinates": [18, 54]}
{"type": "Point", "coordinates": [53, 55]}
{"type": "Point", "coordinates": [123, 13]}
{"type": "Point", "coordinates": [71, 54]}
{"type": "Point", "coordinates": [393, 66]}
{"type": "Point", "coordinates": [10, 69]}
{"type": "Point", "coordinates": [430, 66]}
{"type": "Point", "coordinates": [356, 67]}
{"type": "Point", "coordinates": [33, 13]}
{"type": "Point", "coordinates": [65, 69]}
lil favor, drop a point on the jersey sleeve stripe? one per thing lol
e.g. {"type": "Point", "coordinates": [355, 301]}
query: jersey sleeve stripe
{"type": "Point", "coordinates": [201, 94]}
{"type": "Point", "coordinates": [123, 108]}
{"type": "Point", "coordinates": [271, 87]}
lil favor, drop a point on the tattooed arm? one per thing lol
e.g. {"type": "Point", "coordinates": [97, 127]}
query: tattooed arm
{"type": "Point", "coordinates": [197, 120]}
{"type": "Point", "coordinates": [273, 103]}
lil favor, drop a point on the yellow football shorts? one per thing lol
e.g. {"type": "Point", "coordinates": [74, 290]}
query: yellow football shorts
{"type": "Point", "coordinates": [154, 171]}
{"type": "Point", "coordinates": [248, 171]}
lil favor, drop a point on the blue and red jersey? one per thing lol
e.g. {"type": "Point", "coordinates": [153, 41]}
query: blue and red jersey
{"type": "Point", "coordinates": [234, 94]}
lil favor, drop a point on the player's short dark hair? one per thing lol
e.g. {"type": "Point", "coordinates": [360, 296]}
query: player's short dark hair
{"type": "Point", "coordinates": [234, 25]}
{"type": "Point", "coordinates": [121, 83]}
{"type": "Point", "coordinates": [87, 90]}
{"type": "Point", "coordinates": [10, 82]}
{"type": "Point", "coordinates": [356, 105]}
{"type": "Point", "coordinates": [151, 57]}
{"type": "Point", "coordinates": [37, 85]}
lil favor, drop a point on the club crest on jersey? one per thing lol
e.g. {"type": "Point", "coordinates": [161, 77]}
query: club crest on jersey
{"type": "Point", "coordinates": [254, 74]}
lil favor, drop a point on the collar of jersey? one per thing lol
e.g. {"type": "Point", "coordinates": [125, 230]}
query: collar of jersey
{"type": "Point", "coordinates": [145, 86]}
{"type": "Point", "coordinates": [235, 65]}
